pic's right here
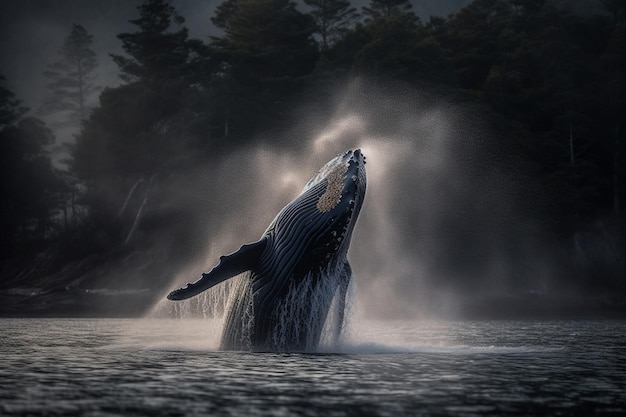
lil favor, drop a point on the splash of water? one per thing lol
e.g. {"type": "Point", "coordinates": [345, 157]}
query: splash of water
{"type": "Point", "coordinates": [311, 308]}
{"type": "Point", "coordinates": [208, 305]}
{"type": "Point", "coordinates": [441, 222]}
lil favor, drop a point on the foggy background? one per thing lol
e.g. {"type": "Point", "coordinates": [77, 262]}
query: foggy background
{"type": "Point", "coordinates": [42, 25]}
{"type": "Point", "coordinates": [453, 220]}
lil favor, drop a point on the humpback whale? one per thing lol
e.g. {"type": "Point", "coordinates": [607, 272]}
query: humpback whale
{"type": "Point", "coordinates": [298, 271]}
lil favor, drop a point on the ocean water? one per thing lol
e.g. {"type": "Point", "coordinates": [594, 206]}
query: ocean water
{"type": "Point", "coordinates": [159, 367]}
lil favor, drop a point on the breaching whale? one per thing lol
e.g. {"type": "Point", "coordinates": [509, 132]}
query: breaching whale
{"type": "Point", "coordinates": [297, 268]}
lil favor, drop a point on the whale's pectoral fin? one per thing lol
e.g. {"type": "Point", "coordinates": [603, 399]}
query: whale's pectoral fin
{"type": "Point", "coordinates": [229, 266]}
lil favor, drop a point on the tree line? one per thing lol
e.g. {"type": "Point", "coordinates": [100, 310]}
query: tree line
{"type": "Point", "coordinates": [554, 79]}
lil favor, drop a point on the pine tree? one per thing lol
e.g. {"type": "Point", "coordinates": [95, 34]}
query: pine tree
{"type": "Point", "coordinates": [614, 72]}
{"type": "Point", "coordinates": [266, 51]}
{"type": "Point", "coordinates": [225, 12]}
{"type": "Point", "coordinates": [71, 78]}
{"type": "Point", "coordinates": [332, 19]}
{"type": "Point", "coordinates": [393, 44]}
{"type": "Point", "coordinates": [135, 121]}
{"type": "Point", "coordinates": [156, 52]}
{"type": "Point", "coordinates": [383, 9]}
{"type": "Point", "coordinates": [29, 186]}
{"type": "Point", "coordinates": [617, 9]}
{"type": "Point", "coordinates": [141, 130]}
{"type": "Point", "coordinates": [10, 109]}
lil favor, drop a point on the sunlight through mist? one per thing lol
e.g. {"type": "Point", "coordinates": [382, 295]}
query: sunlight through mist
{"type": "Point", "coordinates": [432, 216]}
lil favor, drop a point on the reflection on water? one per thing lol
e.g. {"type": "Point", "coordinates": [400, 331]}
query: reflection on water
{"type": "Point", "coordinates": [167, 367]}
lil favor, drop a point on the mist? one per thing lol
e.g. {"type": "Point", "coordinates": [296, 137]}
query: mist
{"type": "Point", "coordinates": [42, 25]}
{"type": "Point", "coordinates": [445, 221]}
{"type": "Point", "coordinates": [466, 182]}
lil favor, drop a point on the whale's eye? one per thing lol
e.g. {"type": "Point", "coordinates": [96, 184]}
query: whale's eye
{"type": "Point", "coordinates": [334, 187]}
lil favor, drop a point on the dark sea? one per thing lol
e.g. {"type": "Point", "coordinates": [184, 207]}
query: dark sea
{"type": "Point", "coordinates": [159, 367]}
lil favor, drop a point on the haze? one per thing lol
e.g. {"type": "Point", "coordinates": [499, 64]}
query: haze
{"type": "Point", "coordinates": [467, 179]}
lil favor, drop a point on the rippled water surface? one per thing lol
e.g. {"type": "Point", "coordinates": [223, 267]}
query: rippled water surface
{"type": "Point", "coordinates": [100, 367]}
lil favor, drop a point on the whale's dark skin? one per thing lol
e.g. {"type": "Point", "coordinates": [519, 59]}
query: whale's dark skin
{"type": "Point", "coordinates": [303, 249]}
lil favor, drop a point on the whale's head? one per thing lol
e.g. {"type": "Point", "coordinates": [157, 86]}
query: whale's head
{"type": "Point", "coordinates": [343, 179]}
{"type": "Point", "coordinates": [316, 227]}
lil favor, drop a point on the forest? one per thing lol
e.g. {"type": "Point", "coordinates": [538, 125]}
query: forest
{"type": "Point", "coordinates": [550, 77]}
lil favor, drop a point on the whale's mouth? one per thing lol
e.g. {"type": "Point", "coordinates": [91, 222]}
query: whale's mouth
{"type": "Point", "coordinates": [353, 187]}
{"type": "Point", "coordinates": [341, 200]}
{"type": "Point", "coordinates": [343, 176]}
{"type": "Point", "coordinates": [354, 181]}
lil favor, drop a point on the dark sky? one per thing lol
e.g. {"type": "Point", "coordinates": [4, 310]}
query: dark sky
{"type": "Point", "coordinates": [32, 32]}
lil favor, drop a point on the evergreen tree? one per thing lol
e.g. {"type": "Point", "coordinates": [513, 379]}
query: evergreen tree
{"type": "Point", "coordinates": [332, 19]}
{"type": "Point", "coordinates": [143, 128]}
{"type": "Point", "coordinates": [158, 52]}
{"type": "Point", "coordinates": [394, 44]}
{"type": "Point", "coordinates": [265, 53]}
{"type": "Point", "coordinates": [71, 78]}
{"type": "Point", "coordinates": [613, 69]}
{"type": "Point", "coordinates": [475, 41]}
{"type": "Point", "coordinates": [271, 35]}
{"type": "Point", "coordinates": [383, 9]}
{"type": "Point", "coordinates": [10, 109]}
{"type": "Point", "coordinates": [29, 186]}
{"type": "Point", "coordinates": [616, 8]}
{"type": "Point", "coordinates": [136, 121]}
{"type": "Point", "coordinates": [225, 12]}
